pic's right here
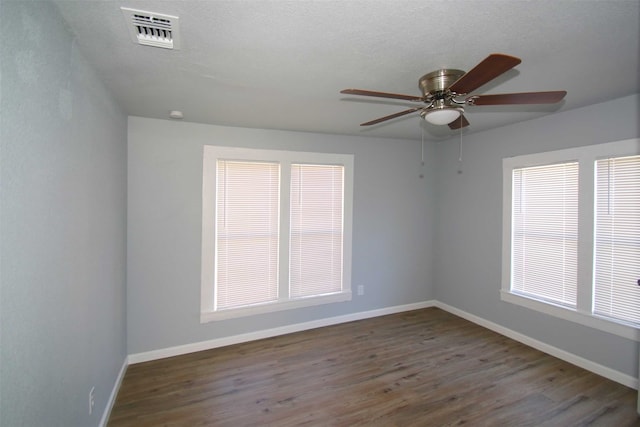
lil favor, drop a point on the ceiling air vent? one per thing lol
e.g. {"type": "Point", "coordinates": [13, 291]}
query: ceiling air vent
{"type": "Point", "coordinates": [152, 29]}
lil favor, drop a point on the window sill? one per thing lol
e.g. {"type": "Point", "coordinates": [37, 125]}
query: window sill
{"type": "Point", "coordinates": [211, 316]}
{"type": "Point", "coordinates": [572, 315]}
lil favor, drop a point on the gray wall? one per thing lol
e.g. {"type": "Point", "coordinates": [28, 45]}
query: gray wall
{"type": "Point", "coordinates": [392, 228]}
{"type": "Point", "coordinates": [469, 224]}
{"type": "Point", "coordinates": [63, 226]}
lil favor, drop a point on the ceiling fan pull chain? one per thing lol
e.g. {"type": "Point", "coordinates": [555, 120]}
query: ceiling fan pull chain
{"type": "Point", "coordinates": [460, 153]}
{"type": "Point", "coordinates": [422, 146]}
{"type": "Point", "coordinates": [421, 153]}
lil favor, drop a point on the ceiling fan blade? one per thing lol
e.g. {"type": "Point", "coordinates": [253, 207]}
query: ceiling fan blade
{"type": "Point", "coordinates": [381, 94]}
{"type": "Point", "coordinates": [460, 122]}
{"type": "Point", "coordinates": [392, 116]}
{"type": "Point", "coordinates": [490, 68]}
{"type": "Point", "coordinates": [518, 98]}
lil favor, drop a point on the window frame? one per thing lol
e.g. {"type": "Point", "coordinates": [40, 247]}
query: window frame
{"type": "Point", "coordinates": [211, 153]}
{"type": "Point", "coordinates": [586, 156]}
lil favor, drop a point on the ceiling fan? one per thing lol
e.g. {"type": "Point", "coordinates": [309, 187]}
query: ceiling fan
{"type": "Point", "coordinates": [441, 90]}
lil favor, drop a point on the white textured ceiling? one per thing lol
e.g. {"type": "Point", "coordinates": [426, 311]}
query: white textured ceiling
{"type": "Point", "coordinates": [281, 64]}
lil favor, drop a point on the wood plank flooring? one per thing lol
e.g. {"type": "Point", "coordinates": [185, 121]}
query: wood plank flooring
{"type": "Point", "coordinates": [419, 368]}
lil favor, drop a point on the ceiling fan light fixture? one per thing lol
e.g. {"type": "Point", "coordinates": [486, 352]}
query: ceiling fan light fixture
{"type": "Point", "coordinates": [442, 116]}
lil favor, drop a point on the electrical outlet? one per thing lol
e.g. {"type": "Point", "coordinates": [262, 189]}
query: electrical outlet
{"type": "Point", "coordinates": [92, 400]}
{"type": "Point", "coordinates": [360, 289]}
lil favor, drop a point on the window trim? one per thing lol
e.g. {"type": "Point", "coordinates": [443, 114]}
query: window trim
{"type": "Point", "coordinates": [586, 157]}
{"type": "Point", "coordinates": [211, 154]}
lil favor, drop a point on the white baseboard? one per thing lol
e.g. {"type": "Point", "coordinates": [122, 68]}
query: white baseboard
{"type": "Point", "coordinates": [268, 333]}
{"type": "Point", "coordinates": [596, 368]}
{"type": "Point", "coordinates": [589, 365]}
{"type": "Point", "coordinates": [114, 393]}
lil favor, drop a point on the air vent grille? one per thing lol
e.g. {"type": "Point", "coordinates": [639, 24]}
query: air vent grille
{"type": "Point", "coordinates": [152, 29]}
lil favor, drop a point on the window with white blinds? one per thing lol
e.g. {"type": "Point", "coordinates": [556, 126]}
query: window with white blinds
{"type": "Point", "coordinates": [276, 230]}
{"type": "Point", "coordinates": [545, 232]}
{"type": "Point", "coordinates": [316, 230]}
{"type": "Point", "coordinates": [247, 222]}
{"type": "Point", "coordinates": [571, 235]}
{"type": "Point", "coordinates": [617, 241]}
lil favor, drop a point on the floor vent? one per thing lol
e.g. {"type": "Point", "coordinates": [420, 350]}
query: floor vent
{"type": "Point", "coordinates": [152, 29]}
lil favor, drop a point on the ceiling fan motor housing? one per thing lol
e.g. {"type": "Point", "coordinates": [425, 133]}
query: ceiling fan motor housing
{"type": "Point", "coordinates": [438, 81]}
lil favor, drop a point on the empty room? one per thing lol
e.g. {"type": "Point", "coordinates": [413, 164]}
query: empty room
{"type": "Point", "coordinates": [323, 213]}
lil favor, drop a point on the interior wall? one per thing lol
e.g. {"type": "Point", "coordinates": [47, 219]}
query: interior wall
{"type": "Point", "coordinates": [63, 225]}
{"type": "Point", "coordinates": [392, 228]}
{"type": "Point", "coordinates": [469, 224]}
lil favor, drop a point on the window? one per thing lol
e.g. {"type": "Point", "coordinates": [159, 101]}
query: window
{"type": "Point", "coordinates": [246, 261]}
{"type": "Point", "coordinates": [276, 230]}
{"type": "Point", "coordinates": [545, 232]}
{"type": "Point", "coordinates": [571, 234]}
{"type": "Point", "coordinates": [617, 242]}
{"type": "Point", "coordinates": [316, 230]}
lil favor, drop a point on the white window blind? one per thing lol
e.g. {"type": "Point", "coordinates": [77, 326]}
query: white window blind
{"type": "Point", "coordinates": [617, 239]}
{"type": "Point", "coordinates": [247, 226]}
{"type": "Point", "coordinates": [316, 235]}
{"type": "Point", "coordinates": [545, 232]}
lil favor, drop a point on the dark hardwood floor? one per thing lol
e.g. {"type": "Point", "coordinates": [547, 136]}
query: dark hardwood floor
{"type": "Point", "coordinates": [419, 368]}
